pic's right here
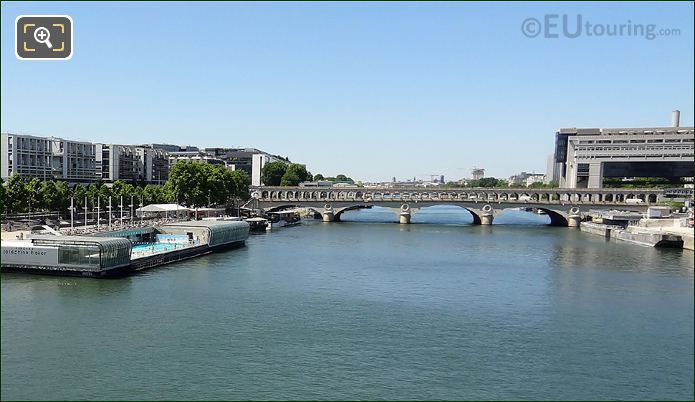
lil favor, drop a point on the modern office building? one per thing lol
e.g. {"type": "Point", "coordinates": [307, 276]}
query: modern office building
{"type": "Point", "coordinates": [48, 158]}
{"type": "Point", "coordinates": [135, 164]}
{"type": "Point", "coordinates": [585, 156]}
{"type": "Point", "coordinates": [195, 156]}
{"type": "Point", "coordinates": [171, 147]}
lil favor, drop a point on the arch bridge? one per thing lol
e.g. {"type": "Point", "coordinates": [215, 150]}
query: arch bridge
{"type": "Point", "coordinates": [565, 207]}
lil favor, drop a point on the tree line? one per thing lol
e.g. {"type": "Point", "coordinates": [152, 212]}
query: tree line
{"type": "Point", "coordinates": [191, 184]}
{"type": "Point", "coordinates": [291, 174]}
{"type": "Point", "coordinates": [490, 182]}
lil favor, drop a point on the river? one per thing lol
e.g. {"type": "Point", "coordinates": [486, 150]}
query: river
{"type": "Point", "coordinates": [366, 310]}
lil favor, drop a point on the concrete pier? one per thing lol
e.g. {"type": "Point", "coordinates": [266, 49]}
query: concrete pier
{"type": "Point", "coordinates": [574, 221]}
{"type": "Point", "coordinates": [404, 218]}
{"type": "Point", "coordinates": [486, 219]}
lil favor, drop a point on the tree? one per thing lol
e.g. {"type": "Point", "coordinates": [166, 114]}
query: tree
{"type": "Point", "coordinates": [218, 186]}
{"type": "Point", "coordinates": [3, 195]}
{"type": "Point", "coordinates": [242, 181]}
{"type": "Point", "coordinates": [272, 173]}
{"type": "Point", "coordinates": [294, 175]}
{"type": "Point", "coordinates": [153, 194]}
{"type": "Point", "coordinates": [487, 182]}
{"type": "Point", "coordinates": [51, 196]}
{"type": "Point", "coordinates": [63, 198]}
{"type": "Point", "coordinates": [93, 195]}
{"type": "Point", "coordinates": [17, 194]}
{"type": "Point", "coordinates": [35, 196]}
{"type": "Point", "coordinates": [189, 182]}
{"type": "Point", "coordinates": [318, 177]}
{"type": "Point", "coordinates": [343, 178]}
{"type": "Point", "coordinates": [78, 194]}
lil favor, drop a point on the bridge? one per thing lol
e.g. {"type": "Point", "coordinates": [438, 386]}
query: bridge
{"type": "Point", "coordinates": [565, 207]}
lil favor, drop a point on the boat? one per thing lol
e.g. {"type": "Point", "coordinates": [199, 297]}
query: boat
{"type": "Point", "coordinates": [257, 224]}
{"type": "Point", "coordinates": [283, 218]}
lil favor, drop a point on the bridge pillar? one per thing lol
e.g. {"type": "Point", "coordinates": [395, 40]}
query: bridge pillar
{"type": "Point", "coordinates": [405, 214]}
{"type": "Point", "coordinates": [327, 214]}
{"type": "Point", "coordinates": [487, 216]}
{"type": "Point", "coordinates": [574, 218]}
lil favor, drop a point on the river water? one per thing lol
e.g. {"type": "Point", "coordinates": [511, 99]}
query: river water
{"type": "Point", "coordinates": [366, 310]}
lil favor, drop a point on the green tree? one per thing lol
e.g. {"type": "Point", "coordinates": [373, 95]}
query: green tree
{"type": "Point", "coordinates": [105, 192]}
{"type": "Point", "coordinates": [17, 194]}
{"type": "Point", "coordinates": [92, 195]}
{"type": "Point", "coordinates": [51, 196]}
{"type": "Point", "coordinates": [189, 183]}
{"type": "Point", "coordinates": [487, 182]}
{"type": "Point", "coordinates": [153, 194]}
{"type": "Point", "coordinates": [63, 198]}
{"type": "Point", "coordinates": [117, 188]}
{"type": "Point", "coordinates": [343, 178]}
{"type": "Point", "coordinates": [272, 173]}
{"type": "Point", "coordinates": [78, 195]}
{"type": "Point", "coordinates": [294, 175]}
{"type": "Point", "coordinates": [3, 198]}
{"type": "Point", "coordinates": [35, 196]}
{"type": "Point", "coordinates": [242, 181]}
{"type": "Point", "coordinates": [219, 186]}
{"type": "Point", "coordinates": [318, 177]}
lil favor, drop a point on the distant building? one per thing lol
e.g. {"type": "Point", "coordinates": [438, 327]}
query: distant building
{"type": "Point", "coordinates": [47, 158]}
{"type": "Point", "coordinates": [194, 156]}
{"type": "Point", "coordinates": [518, 179]}
{"type": "Point", "coordinates": [477, 174]}
{"type": "Point", "coordinates": [585, 156]}
{"type": "Point", "coordinates": [534, 178]}
{"type": "Point", "coordinates": [240, 158]}
{"type": "Point", "coordinates": [130, 163]}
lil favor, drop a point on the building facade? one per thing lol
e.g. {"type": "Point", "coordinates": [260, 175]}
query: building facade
{"type": "Point", "coordinates": [48, 158]}
{"type": "Point", "coordinates": [585, 156]}
{"type": "Point", "coordinates": [134, 164]}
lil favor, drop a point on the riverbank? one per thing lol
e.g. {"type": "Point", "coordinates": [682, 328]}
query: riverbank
{"type": "Point", "coordinates": [647, 236]}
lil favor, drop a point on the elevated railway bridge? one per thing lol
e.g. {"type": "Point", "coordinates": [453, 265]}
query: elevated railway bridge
{"type": "Point", "coordinates": [565, 207]}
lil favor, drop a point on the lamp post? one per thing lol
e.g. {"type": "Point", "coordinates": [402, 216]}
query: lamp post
{"type": "Point", "coordinates": [109, 212]}
{"type": "Point", "coordinates": [85, 213]}
{"type": "Point", "coordinates": [131, 210]}
{"type": "Point", "coordinates": [72, 210]}
{"type": "Point", "coordinates": [98, 213]}
{"type": "Point", "coordinates": [142, 199]}
{"type": "Point", "coordinates": [121, 205]}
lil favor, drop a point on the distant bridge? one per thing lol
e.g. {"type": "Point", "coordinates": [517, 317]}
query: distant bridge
{"type": "Point", "coordinates": [565, 207]}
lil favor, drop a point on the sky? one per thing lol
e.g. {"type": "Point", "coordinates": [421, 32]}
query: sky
{"type": "Point", "coordinates": [370, 90]}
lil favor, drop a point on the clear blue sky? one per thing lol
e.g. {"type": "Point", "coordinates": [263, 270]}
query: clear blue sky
{"type": "Point", "coordinates": [372, 90]}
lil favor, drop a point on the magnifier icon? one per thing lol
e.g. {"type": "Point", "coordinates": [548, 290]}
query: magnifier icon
{"type": "Point", "coordinates": [42, 35]}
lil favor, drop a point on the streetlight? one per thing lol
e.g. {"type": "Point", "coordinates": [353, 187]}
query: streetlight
{"type": "Point", "coordinates": [72, 218]}
{"type": "Point", "coordinates": [85, 213]}
{"type": "Point", "coordinates": [141, 211]}
{"type": "Point", "coordinates": [109, 212]}
{"type": "Point", "coordinates": [98, 212]}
